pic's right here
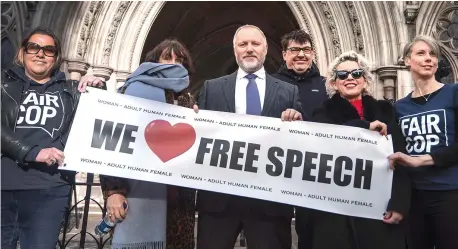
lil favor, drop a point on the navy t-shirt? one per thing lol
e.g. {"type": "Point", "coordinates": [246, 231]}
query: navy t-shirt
{"type": "Point", "coordinates": [40, 119]}
{"type": "Point", "coordinates": [430, 127]}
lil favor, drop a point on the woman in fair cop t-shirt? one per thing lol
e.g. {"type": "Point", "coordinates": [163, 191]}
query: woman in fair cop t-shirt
{"type": "Point", "coordinates": [428, 118]}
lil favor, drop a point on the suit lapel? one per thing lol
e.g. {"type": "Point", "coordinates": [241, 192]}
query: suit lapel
{"type": "Point", "coordinates": [271, 94]}
{"type": "Point", "coordinates": [229, 91]}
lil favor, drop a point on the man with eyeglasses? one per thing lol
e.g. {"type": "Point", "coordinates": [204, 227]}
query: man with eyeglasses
{"type": "Point", "coordinates": [300, 70]}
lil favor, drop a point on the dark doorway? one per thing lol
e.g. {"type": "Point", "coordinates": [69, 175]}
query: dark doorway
{"type": "Point", "coordinates": [207, 30]}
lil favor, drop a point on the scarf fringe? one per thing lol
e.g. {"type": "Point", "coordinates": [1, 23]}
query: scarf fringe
{"type": "Point", "coordinates": [143, 245]}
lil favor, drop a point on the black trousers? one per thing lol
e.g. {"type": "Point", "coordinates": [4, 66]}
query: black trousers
{"type": "Point", "coordinates": [220, 230]}
{"type": "Point", "coordinates": [434, 219]}
{"type": "Point", "coordinates": [304, 227]}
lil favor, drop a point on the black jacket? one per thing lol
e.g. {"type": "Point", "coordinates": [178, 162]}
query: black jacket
{"type": "Point", "coordinates": [12, 88]}
{"type": "Point", "coordinates": [339, 231]}
{"type": "Point", "coordinates": [312, 91]}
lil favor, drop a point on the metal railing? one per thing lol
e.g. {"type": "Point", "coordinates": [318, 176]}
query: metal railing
{"type": "Point", "coordinates": [73, 216]}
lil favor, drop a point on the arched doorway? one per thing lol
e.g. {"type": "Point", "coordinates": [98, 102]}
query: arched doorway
{"type": "Point", "coordinates": [207, 30]}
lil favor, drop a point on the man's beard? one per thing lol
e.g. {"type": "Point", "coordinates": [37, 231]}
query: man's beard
{"type": "Point", "coordinates": [251, 67]}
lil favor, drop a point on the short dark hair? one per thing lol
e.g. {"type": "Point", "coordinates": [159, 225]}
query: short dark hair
{"type": "Point", "coordinates": [19, 58]}
{"type": "Point", "coordinates": [299, 36]}
{"type": "Point", "coordinates": [166, 47]}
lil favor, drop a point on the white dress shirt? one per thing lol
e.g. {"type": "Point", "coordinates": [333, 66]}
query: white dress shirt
{"type": "Point", "coordinates": [240, 89]}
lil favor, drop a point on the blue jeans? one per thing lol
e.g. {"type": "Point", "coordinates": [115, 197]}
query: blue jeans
{"type": "Point", "coordinates": [33, 217]}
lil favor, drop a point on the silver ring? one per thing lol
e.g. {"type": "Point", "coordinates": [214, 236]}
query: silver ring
{"type": "Point", "coordinates": [53, 161]}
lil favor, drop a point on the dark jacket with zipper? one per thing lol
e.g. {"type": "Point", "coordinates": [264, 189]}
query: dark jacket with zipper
{"type": "Point", "coordinates": [19, 169]}
{"type": "Point", "coordinates": [330, 230]}
{"type": "Point", "coordinates": [312, 90]}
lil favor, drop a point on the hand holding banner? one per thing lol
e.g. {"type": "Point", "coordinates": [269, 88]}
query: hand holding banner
{"type": "Point", "coordinates": [326, 167]}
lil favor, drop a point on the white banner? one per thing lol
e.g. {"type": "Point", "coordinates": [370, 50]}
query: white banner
{"type": "Point", "coordinates": [326, 167]}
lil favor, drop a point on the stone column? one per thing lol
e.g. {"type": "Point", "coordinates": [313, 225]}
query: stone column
{"type": "Point", "coordinates": [77, 68]}
{"type": "Point", "coordinates": [102, 72]}
{"type": "Point", "coordinates": [388, 75]}
{"type": "Point", "coordinates": [405, 83]}
{"type": "Point", "coordinates": [121, 77]}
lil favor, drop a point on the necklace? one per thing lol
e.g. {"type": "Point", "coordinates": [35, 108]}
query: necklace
{"type": "Point", "coordinates": [426, 99]}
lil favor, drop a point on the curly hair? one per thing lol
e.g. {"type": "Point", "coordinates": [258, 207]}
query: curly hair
{"type": "Point", "coordinates": [349, 56]}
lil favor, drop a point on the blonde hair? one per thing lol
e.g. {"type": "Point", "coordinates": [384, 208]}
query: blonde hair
{"type": "Point", "coordinates": [432, 43]}
{"type": "Point", "coordinates": [349, 56]}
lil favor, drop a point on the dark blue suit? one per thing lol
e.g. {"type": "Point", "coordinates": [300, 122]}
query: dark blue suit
{"type": "Point", "coordinates": [221, 217]}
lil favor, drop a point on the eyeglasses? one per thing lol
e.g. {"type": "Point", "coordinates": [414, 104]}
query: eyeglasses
{"type": "Point", "coordinates": [33, 48]}
{"type": "Point", "coordinates": [343, 75]}
{"type": "Point", "coordinates": [297, 50]}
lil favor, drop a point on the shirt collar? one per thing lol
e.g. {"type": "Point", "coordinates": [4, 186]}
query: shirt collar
{"type": "Point", "coordinates": [261, 73]}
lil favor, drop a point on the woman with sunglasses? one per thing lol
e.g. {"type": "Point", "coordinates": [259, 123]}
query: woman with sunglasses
{"type": "Point", "coordinates": [351, 104]}
{"type": "Point", "coordinates": [428, 117]}
{"type": "Point", "coordinates": [38, 105]}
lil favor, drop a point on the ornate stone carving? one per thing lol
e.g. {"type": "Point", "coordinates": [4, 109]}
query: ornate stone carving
{"type": "Point", "coordinates": [411, 11]}
{"type": "Point", "coordinates": [8, 21]}
{"type": "Point", "coordinates": [87, 29]}
{"type": "Point", "coordinates": [309, 30]}
{"type": "Point", "coordinates": [447, 28]}
{"type": "Point", "coordinates": [401, 61]}
{"type": "Point", "coordinates": [113, 30]}
{"type": "Point", "coordinates": [301, 11]}
{"type": "Point", "coordinates": [138, 33]}
{"type": "Point", "coordinates": [332, 27]}
{"type": "Point", "coordinates": [15, 16]}
{"type": "Point", "coordinates": [103, 72]}
{"type": "Point", "coordinates": [387, 72]}
{"type": "Point", "coordinates": [121, 76]}
{"type": "Point", "coordinates": [356, 27]}
{"type": "Point", "coordinates": [77, 66]}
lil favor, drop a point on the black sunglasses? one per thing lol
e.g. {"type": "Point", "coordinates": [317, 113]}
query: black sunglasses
{"type": "Point", "coordinates": [33, 48]}
{"type": "Point", "coordinates": [343, 75]}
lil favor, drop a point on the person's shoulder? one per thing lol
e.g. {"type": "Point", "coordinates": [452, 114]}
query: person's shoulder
{"type": "Point", "coordinates": [454, 86]}
{"type": "Point", "coordinates": [220, 80]}
{"type": "Point", "coordinates": [281, 83]}
{"type": "Point", "coordinates": [279, 76]}
{"type": "Point", "coordinates": [402, 101]}
{"type": "Point", "coordinates": [386, 107]}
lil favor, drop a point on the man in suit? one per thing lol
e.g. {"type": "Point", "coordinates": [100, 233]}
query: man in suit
{"type": "Point", "coordinates": [249, 90]}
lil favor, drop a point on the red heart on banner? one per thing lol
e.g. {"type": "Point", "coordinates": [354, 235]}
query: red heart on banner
{"type": "Point", "coordinates": [167, 141]}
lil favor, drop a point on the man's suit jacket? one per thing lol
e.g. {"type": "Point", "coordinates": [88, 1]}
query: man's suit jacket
{"type": "Point", "coordinates": [219, 95]}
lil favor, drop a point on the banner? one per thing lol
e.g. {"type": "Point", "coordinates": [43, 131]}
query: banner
{"type": "Point", "coordinates": [332, 168]}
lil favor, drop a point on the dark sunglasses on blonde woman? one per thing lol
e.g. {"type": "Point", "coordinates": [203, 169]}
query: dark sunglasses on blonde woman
{"type": "Point", "coordinates": [343, 75]}
{"type": "Point", "coordinates": [33, 48]}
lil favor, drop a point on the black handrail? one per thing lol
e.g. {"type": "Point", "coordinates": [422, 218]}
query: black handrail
{"type": "Point", "coordinates": [63, 242]}
{"type": "Point", "coordinates": [66, 226]}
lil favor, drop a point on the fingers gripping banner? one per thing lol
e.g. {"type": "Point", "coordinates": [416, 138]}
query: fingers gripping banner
{"type": "Point", "coordinates": [332, 168]}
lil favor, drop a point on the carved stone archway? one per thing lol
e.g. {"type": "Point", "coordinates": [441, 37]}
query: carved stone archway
{"type": "Point", "coordinates": [107, 38]}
